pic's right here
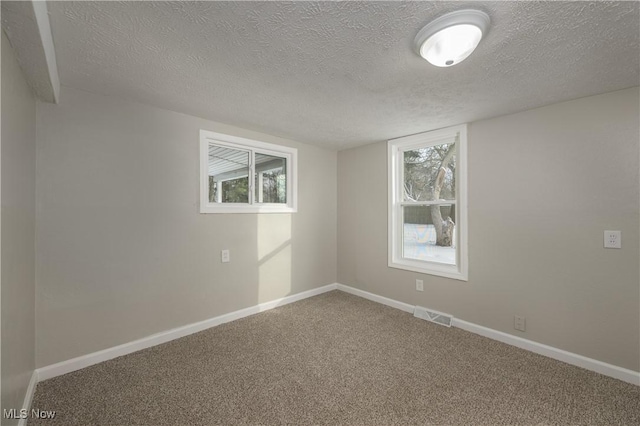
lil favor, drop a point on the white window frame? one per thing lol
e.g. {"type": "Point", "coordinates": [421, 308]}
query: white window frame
{"type": "Point", "coordinates": [396, 148]}
{"type": "Point", "coordinates": [252, 147]}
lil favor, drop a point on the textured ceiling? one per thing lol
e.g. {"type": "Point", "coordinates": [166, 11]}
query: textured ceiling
{"type": "Point", "coordinates": [341, 74]}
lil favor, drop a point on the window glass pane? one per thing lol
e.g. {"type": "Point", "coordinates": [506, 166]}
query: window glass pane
{"type": "Point", "coordinates": [429, 233]}
{"type": "Point", "coordinates": [429, 173]}
{"type": "Point", "coordinates": [228, 175]}
{"type": "Point", "coordinates": [271, 179]}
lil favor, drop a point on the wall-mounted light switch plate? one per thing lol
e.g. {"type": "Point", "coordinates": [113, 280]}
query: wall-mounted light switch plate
{"type": "Point", "coordinates": [519, 323]}
{"type": "Point", "coordinates": [612, 239]}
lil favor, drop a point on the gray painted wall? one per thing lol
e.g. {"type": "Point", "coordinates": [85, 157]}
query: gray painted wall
{"type": "Point", "coordinates": [543, 186]}
{"type": "Point", "coordinates": [122, 250]}
{"type": "Point", "coordinates": [18, 231]}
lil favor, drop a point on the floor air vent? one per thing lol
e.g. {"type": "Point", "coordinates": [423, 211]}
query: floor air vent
{"type": "Point", "coordinates": [433, 316]}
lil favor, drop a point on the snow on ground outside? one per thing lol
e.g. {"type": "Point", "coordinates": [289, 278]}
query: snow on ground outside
{"type": "Point", "coordinates": [419, 243]}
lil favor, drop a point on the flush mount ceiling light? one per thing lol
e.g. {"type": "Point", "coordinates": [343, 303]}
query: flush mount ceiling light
{"type": "Point", "coordinates": [451, 38]}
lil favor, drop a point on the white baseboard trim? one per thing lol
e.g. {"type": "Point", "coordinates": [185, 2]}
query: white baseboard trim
{"type": "Point", "coordinates": [28, 397]}
{"type": "Point", "coordinates": [80, 362]}
{"type": "Point", "coordinates": [375, 298]}
{"type": "Point", "coordinates": [610, 370]}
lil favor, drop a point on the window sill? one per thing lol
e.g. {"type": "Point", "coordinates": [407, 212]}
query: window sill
{"type": "Point", "coordinates": [235, 208]}
{"type": "Point", "coordinates": [430, 268]}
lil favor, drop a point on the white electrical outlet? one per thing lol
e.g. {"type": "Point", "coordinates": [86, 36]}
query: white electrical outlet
{"type": "Point", "coordinates": [519, 323]}
{"type": "Point", "coordinates": [225, 256]}
{"type": "Point", "coordinates": [612, 239]}
{"type": "Point", "coordinates": [419, 285]}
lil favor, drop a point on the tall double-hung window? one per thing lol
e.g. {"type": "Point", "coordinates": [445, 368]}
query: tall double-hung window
{"type": "Point", "coordinates": [239, 175]}
{"type": "Point", "coordinates": [428, 202]}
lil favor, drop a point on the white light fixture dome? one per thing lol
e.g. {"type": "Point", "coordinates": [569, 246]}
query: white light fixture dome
{"type": "Point", "coordinates": [451, 38]}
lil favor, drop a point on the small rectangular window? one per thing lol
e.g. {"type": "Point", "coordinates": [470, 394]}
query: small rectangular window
{"type": "Point", "coordinates": [240, 175]}
{"type": "Point", "coordinates": [427, 203]}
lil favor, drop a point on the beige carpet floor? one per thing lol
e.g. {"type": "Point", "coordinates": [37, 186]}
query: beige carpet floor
{"type": "Point", "coordinates": [335, 359]}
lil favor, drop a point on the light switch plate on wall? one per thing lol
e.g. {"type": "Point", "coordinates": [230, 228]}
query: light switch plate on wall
{"type": "Point", "coordinates": [519, 323]}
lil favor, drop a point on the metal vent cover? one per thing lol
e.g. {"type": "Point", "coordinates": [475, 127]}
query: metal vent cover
{"type": "Point", "coordinates": [433, 316]}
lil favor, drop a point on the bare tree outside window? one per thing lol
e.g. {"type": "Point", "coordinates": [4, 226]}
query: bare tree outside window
{"type": "Point", "coordinates": [428, 202]}
{"type": "Point", "coordinates": [429, 175]}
